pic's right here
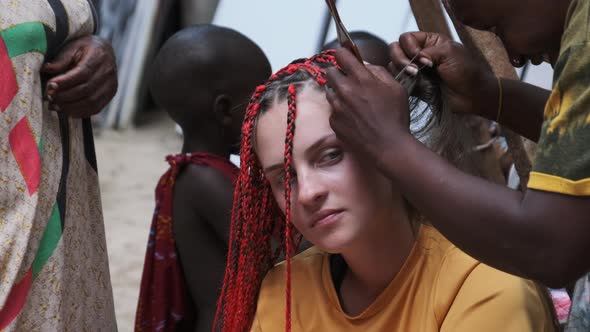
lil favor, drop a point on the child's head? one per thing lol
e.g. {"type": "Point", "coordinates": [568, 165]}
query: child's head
{"type": "Point", "coordinates": [529, 29]}
{"type": "Point", "coordinates": [373, 49]}
{"type": "Point", "coordinates": [203, 77]}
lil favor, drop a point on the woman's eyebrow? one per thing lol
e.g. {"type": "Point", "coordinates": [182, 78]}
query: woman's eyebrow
{"type": "Point", "coordinates": [310, 150]}
{"type": "Point", "coordinates": [318, 144]}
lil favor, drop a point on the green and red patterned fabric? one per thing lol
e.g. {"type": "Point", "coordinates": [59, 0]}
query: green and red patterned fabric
{"type": "Point", "coordinates": [53, 264]}
{"type": "Point", "coordinates": [20, 39]}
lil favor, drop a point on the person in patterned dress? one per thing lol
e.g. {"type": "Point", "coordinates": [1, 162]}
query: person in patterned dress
{"type": "Point", "coordinates": [54, 74]}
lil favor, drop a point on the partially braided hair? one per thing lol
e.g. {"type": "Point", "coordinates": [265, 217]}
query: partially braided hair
{"type": "Point", "coordinates": [255, 215]}
{"type": "Point", "coordinates": [260, 233]}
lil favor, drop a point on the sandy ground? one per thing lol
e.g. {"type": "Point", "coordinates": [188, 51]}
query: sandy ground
{"type": "Point", "coordinates": [130, 163]}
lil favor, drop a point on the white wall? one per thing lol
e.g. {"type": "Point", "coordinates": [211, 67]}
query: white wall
{"type": "Point", "coordinates": [287, 30]}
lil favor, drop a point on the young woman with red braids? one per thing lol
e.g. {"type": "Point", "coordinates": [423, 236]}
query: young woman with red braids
{"type": "Point", "coordinates": [375, 266]}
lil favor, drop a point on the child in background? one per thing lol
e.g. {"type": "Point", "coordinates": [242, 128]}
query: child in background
{"type": "Point", "coordinates": [203, 77]}
{"type": "Point", "coordinates": [373, 49]}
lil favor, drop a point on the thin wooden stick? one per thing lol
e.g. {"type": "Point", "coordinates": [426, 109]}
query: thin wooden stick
{"type": "Point", "coordinates": [430, 17]}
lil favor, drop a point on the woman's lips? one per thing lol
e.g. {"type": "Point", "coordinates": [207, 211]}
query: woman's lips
{"type": "Point", "coordinates": [325, 217]}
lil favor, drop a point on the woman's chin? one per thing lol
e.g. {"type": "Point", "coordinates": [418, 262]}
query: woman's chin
{"type": "Point", "coordinates": [334, 244]}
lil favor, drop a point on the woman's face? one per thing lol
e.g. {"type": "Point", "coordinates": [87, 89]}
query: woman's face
{"type": "Point", "coordinates": [337, 198]}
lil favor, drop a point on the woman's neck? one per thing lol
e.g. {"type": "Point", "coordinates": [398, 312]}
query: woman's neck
{"type": "Point", "coordinates": [374, 262]}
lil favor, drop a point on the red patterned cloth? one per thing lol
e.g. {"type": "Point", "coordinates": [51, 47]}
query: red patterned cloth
{"type": "Point", "coordinates": [163, 291]}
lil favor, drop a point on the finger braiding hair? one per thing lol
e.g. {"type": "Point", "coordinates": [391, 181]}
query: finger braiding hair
{"type": "Point", "coordinates": [257, 223]}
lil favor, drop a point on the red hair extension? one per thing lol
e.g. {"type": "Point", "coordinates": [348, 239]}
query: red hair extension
{"type": "Point", "coordinates": [289, 173]}
{"type": "Point", "coordinates": [257, 224]}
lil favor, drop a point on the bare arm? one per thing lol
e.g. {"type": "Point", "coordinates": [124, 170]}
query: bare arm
{"type": "Point", "coordinates": [201, 218]}
{"type": "Point", "coordinates": [542, 236]}
{"type": "Point", "coordinates": [539, 235]}
{"type": "Point", "coordinates": [210, 194]}
{"type": "Point", "coordinates": [523, 106]}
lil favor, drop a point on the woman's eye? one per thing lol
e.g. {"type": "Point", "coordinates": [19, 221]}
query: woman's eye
{"type": "Point", "coordinates": [330, 157]}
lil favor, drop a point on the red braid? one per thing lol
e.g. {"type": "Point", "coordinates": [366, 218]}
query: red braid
{"type": "Point", "coordinates": [255, 214]}
{"type": "Point", "coordinates": [291, 114]}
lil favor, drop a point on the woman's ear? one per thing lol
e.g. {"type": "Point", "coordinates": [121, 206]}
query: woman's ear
{"type": "Point", "coordinates": [222, 109]}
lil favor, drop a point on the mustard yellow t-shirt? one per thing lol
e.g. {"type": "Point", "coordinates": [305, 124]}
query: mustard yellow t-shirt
{"type": "Point", "coordinates": [562, 164]}
{"type": "Point", "coordinates": [439, 288]}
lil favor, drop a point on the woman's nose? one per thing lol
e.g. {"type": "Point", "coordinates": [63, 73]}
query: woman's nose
{"type": "Point", "coordinates": [310, 189]}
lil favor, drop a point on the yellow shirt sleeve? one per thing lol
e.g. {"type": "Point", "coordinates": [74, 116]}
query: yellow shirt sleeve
{"type": "Point", "coordinates": [490, 300]}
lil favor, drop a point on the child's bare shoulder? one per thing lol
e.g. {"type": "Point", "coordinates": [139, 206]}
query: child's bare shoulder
{"type": "Point", "coordinates": [204, 190]}
{"type": "Point", "coordinates": [201, 178]}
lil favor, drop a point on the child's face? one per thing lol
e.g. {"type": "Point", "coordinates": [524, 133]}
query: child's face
{"type": "Point", "coordinates": [337, 198]}
{"type": "Point", "coordinates": [529, 29]}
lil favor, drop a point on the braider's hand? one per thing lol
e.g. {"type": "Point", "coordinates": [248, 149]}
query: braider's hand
{"type": "Point", "coordinates": [470, 87]}
{"type": "Point", "coordinates": [84, 77]}
{"type": "Point", "coordinates": [370, 109]}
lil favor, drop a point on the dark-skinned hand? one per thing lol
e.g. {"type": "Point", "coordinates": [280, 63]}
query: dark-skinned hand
{"type": "Point", "coordinates": [83, 77]}
{"type": "Point", "coordinates": [370, 109]}
{"type": "Point", "coordinates": [470, 87]}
